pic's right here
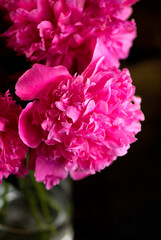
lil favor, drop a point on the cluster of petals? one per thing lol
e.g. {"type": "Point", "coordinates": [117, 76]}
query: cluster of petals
{"type": "Point", "coordinates": [12, 149]}
{"type": "Point", "coordinates": [77, 125]}
{"type": "Point", "coordinates": [70, 32]}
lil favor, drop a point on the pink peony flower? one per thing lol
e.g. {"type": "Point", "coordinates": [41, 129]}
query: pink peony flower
{"type": "Point", "coordinates": [70, 31]}
{"type": "Point", "coordinates": [77, 125]}
{"type": "Point", "coordinates": [12, 149]}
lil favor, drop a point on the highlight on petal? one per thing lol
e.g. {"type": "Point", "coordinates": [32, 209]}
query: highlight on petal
{"type": "Point", "coordinates": [72, 113]}
{"type": "Point", "coordinates": [90, 107]}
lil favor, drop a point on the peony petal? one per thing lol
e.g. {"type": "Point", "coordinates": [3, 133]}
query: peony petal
{"type": "Point", "coordinates": [78, 175]}
{"type": "Point", "coordinates": [102, 107]}
{"type": "Point", "coordinates": [102, 50]}
{"type": "Point", "coordinates": [29, 133]}
{"type": "Point", "coordinates": [72, 113]}
{"type": "Point", "coordinates": [49, 172]}
{"type": "Point", "coordinates": [93, 67]}
{"type": "Point", "coordinates": [90, 107]}
{"type": "Point", "coordinates": [33, 81]}
{"type": "Point", "coordinates": [76, 4]}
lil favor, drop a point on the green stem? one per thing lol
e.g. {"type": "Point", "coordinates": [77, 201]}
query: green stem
{"type": "Point", "coordinates": [52, 204]}
{"type": "Point", "coordinates": [41, 197]}
{"type": "Point", "coordinates": [32, 203]}
{"type": "Point", "coordinates": [42, 194]}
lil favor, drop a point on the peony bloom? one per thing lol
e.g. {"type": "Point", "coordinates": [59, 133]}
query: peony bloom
{"type": "Point", "coordinates": [12, 149]}
{"type": "Point", "coordinates": [77, 125]}
{"type": "Point", "coordinates": [70, 31]}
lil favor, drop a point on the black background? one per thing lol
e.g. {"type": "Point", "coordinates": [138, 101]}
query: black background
{"type": "Point", "coordinates": [124, 200]}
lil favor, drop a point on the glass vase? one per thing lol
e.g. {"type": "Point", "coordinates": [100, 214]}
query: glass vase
{"type": "Point", "coordinates": [30, 212]}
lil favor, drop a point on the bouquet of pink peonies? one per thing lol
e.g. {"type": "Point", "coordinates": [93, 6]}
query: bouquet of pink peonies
{"type": "Point", "coordinates": [81, 111]}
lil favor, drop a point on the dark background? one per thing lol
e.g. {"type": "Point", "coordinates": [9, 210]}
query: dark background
{"type": "Point", "coordinates": [124, 200]}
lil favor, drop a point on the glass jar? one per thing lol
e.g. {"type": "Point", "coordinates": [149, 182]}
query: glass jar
{"type": "Point", "coordinates": [29, 211]}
